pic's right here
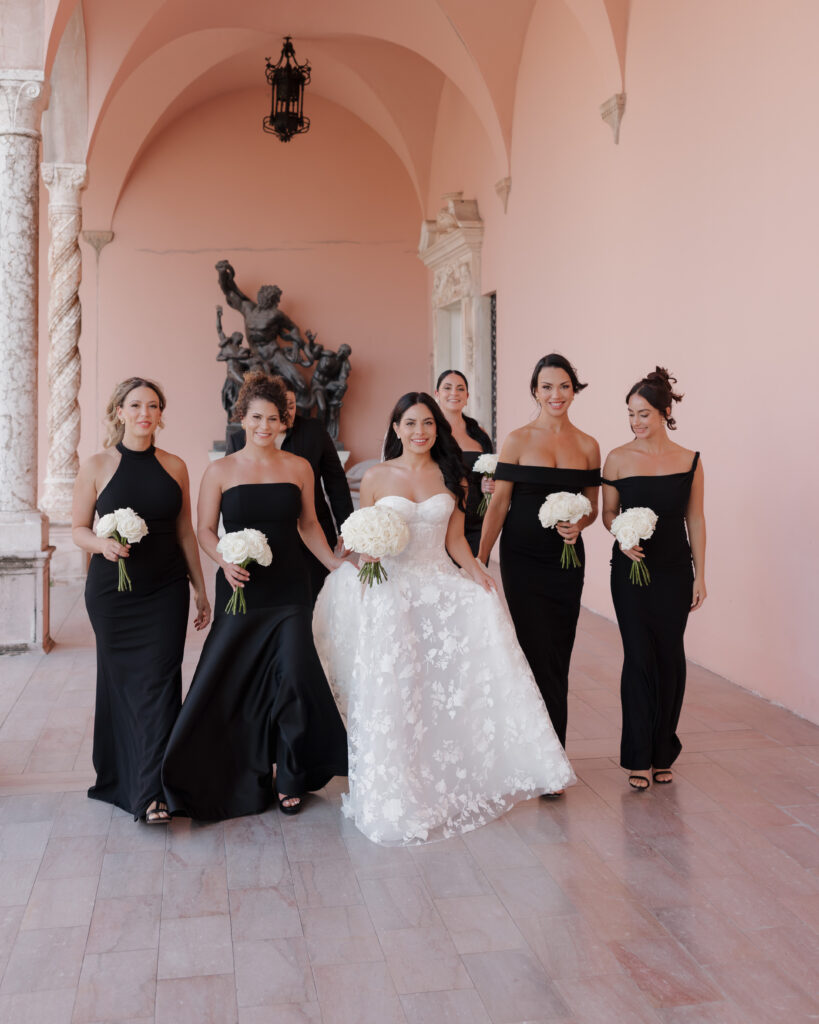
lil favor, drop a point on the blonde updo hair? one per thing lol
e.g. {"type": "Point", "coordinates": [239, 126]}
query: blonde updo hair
{"type": "Point", "coordinates": [259, 384]}
{"type": "Point", "coordinates": [114, 427]}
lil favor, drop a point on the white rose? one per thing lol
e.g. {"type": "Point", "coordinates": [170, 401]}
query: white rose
{"type": "Point", "coordinates": [627, 538]}
{"type": "Point", "coordinates": [256, 543]}
{"type": "Point", "coordinates": [130, 526]}
{"type": "Point", "coordinates": [233, 547]}
{"type": "Point", "coordinates": [106, 525]}
{"type": "Point", "coordinates": [486, 463]}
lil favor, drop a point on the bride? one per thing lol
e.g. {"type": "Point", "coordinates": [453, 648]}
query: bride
{"type": "Point", "coordinates": [446, 727]}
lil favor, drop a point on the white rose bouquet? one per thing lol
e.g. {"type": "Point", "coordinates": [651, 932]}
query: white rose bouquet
{"type": "Point", "coordinates": [241, 548]}
{"type": "Point", "coordinates": [126, 527]}
{"type": "Point", "coordinates": [375, 531]}
{"type": "Point", "coordinates": [486, 465]}
{"type": "Point", "coordinates": [564, 507]}
{"type": "Point", "coordinates": [629, 528]}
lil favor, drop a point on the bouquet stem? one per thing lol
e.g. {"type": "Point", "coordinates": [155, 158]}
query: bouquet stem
{"type": "Point", "coordinates": [639, 574]}
{"type": "Point", "coordinates": [569, 558]}
{"type": "Point", "coordinates": [237, 602]}
{"type": "Point", "coordinates": [372, 572]}
{"type": "Point", "coordinates": [483, 508]}
{"type": "Point", "coordinates": [124, 578]}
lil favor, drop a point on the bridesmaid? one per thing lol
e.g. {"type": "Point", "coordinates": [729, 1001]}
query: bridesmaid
{"type": "Point", "coordinates": [550, 454]}
{"type": "Point", "coordinates": [652, 471]}
{"type": "Point", "coordinates": [140, 633]}
{"type": "Point", "coordinates": [452, 394]}
{"type": "Point", "coordinates": [259, 696]}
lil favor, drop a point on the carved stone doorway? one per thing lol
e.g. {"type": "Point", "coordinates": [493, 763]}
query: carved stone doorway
{"type": "Point", "coordinates": [461, 316]}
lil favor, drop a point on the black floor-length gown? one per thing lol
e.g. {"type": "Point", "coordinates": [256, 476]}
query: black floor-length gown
{"type": "Point", "coordinates": [140, 636]}
{"type": "Point", "coordinates": [652, 621]}
{"type": "Point", "coordinates": [473, 521]}
{"type": "Point", "coordinates": [259, 695]}
{"type": "Point", "coordinates": [543, 598]}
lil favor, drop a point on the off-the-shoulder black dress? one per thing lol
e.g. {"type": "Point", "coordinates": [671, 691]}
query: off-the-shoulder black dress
{"type": "Point", "coordinates": [652, 621]}
{"type": "Point", "coordinates": [543, 598]}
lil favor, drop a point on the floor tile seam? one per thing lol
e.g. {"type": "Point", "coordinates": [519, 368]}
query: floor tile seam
{"type": "Point", "coordinates": [770, 963]}
{"type": "Point", "coordinates": [625, 978]}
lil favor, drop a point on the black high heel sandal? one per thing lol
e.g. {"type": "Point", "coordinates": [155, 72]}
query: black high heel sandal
{"type": "Point", "coordinates": [293, 808]}
{"type": "Point", "coordinates": [662, 771]}
{"type": "Point", "coordinates": [638, 782]}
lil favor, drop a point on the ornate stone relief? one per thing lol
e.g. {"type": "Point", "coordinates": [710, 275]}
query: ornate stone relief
{"type": "Point", "coordinates": [612, 113]}
{"type": "Point", "coordinates": [451, 247]}
{"type": "Point", "coordinates": [24, 550]}
{"type": "Point", "coordinates": [64, 182]}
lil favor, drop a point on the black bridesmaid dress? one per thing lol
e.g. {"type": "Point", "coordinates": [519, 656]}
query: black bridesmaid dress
{"type": "Point", "coordinates": [473, 521]}
{"type": "Point", "coordinates": [259, 695]}
{"type": "Point", "coordinates": [652, 621]}
{"type": "Point", "coordinates": [543, 598]}
{"type": "Point", "coordinates": [140, 636]}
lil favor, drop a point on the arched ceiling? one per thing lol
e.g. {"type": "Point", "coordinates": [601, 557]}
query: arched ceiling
{"type": "Point", "coordinates": [384, 60]}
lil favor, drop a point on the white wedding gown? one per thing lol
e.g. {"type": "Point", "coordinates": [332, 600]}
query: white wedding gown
{"type": "Point", "coordinates": [446, 727]}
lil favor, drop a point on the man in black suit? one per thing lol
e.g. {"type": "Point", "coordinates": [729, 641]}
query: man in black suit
{"type": "Point", "coordinates": [308, 438]}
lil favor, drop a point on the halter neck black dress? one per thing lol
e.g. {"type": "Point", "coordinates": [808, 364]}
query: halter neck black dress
{"type": "Point", "coordinates": [543, 598]}
{"type": "Point", "coordinates": [652, 621]}
{"type": "Point", "coordinates": [259, 695]}
{"type": "Point", "coordinates": [140, 636]}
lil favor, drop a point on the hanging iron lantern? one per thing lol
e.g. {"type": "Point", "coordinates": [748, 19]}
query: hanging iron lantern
{"type": "Point", "coordinates": [287, 80]}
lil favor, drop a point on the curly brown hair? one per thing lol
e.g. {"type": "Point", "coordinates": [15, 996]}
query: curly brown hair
{"type": "Point", "coordinates": [259, 384]}
{"type": "Point", "coordinates": [657, 388]}
{"type": "Point", "coordinates": [114, 427]}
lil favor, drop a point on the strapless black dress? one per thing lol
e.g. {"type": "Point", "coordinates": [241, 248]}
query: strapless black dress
{"type": "Point", "coordinates": [543, 598]}
{"type": "Point", "coordinates": [652, 621]}
{"type": "Point", "coordinates": [259, 695]}
{"type": "Point", "coordinates": [140, 636]}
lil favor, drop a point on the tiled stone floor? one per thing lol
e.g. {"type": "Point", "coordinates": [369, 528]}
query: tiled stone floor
{"type": "Point", "coordinates": [696, 902]}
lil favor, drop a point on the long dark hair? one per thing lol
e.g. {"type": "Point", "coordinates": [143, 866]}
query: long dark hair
{"type": "Point", "coordinates": [657, 388]}
{"type": "Point", "coordinates": [445, 452]}
{"type": "Point", "coordinates": [562, 363]}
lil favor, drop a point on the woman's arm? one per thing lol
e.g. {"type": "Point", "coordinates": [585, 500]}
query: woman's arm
{"type": "Point", "coordinates": [187, 542]}
{"type": "Point", "coordinates": [207, 516]}
{"type": "Point", "coordinates": [82, 513]}
{"type": "Point", "coordinates": [458, 547]}
{"type": "Point", "coordinates": [611, 503]}
{"type": "Point", "coordinates": [695, 521]}
{"type": "Point", "coordinates": [499, 505]}
{"type": "Point", "coordinates": [309, 526]}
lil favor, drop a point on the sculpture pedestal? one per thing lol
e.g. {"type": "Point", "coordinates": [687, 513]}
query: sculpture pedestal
{"type": "Point", "coordinates": [68, 563]}
{"type": "Point", "coordinates": [25, 558]}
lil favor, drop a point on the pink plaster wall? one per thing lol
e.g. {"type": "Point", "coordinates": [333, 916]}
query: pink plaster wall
{"type": "Point", "coordinates": [330, 217]}
{"type": "Point", "coordinates": [691, 244]}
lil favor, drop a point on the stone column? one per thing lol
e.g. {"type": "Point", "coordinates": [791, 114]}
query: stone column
{"type": "Point", "coordinates": [64, 182]}
{"type": "Point", "coordinates": [24, 551]}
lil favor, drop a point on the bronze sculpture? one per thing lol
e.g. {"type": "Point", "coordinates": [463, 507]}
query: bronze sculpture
{"type": "Point", "coordinates": [266, 328]}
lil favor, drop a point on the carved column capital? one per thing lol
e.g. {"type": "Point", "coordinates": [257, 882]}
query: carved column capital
{"type": "Point", "coordinates": [23, 98]}
{"type": "Point", "coordinates": [64, 183]}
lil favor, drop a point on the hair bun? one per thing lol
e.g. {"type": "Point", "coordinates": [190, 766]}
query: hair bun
{"type": "Point", "coordinates": [661, 376]}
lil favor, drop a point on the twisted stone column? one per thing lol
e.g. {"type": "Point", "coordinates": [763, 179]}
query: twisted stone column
{"type": "Point", "coordinates": [22, 100]}
{"type": "Point", "coordinates": [24, 551]}
{"type": "Point", "coordinates": [64, 182]}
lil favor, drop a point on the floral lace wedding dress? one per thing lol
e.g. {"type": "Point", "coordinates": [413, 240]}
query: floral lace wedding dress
{"type": "Point", "coordinates": [446, 726]}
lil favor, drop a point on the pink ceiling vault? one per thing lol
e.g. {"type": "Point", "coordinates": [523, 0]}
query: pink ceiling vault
{"type": "Point", "coordinates": [384, 60]}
